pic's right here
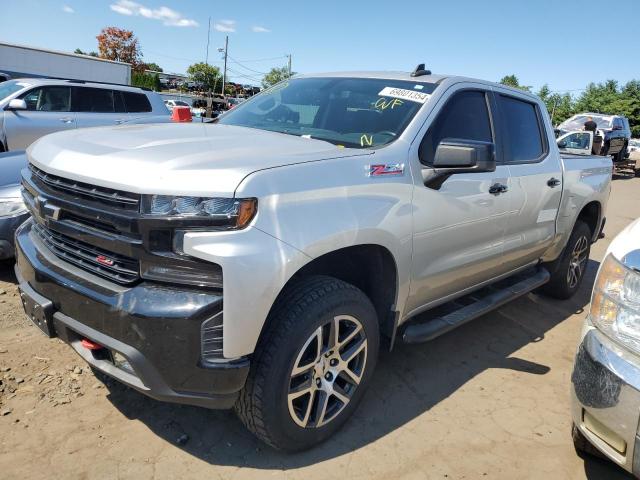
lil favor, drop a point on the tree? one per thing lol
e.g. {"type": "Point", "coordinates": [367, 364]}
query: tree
{"type": "Point", "coordinates": [121, 46]}
{"type": "Point", "coordinates": [147, 80]}
{"type": "Point", "coordinates": [512, 81]}
{"type": "Point", "coordinates": [206, 74]}
{"type": "Point", "coordinates": [153, 67]}
{"type": "Point", "coordinates": [80, 52]}
{"type": "Point", "coordinates": [276, 75]}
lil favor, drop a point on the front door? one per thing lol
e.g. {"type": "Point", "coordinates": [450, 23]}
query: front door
{"type": "Point", "coordinates": [577, 143]}
{"type": "Point", "coordinates": [48, 110]}
{"type": "Point", "coordinates": [458, 227]}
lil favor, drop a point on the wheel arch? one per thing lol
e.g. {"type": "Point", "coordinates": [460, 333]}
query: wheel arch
{"type": "Point", "coordinates": [370, 267]}
{"type": "Point", "coordinates": [591, 214]}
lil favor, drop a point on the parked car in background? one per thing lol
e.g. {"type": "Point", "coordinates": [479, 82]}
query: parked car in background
{"type": "Point", "coordinates": [176, 103]}
{"type": "Point", "coordinates": [33, 107]}
{"type": "Point", "coordinates": [614, 129]}
{"type": "Point", "coordinates": [633, 150]}
{"type": "Point", "coordinates": [441, 198]}
{"type": "Point", "coordinates": [606, 374]}
{"type": "Point", "coordinates": [13, 211]}
{"type": "Point", "coordinates": [234, 101]}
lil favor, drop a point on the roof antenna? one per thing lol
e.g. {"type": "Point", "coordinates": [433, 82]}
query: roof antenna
{"type": "Point", "coordinates": [420, 71]}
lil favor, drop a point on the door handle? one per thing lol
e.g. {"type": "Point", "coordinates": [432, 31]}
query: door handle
{"type": "Point", "coordinates": [498, 188]}
{"type": "Point", "coordinates": [66, 120]}
{"type": "Point", "coordinates": [553, 182]}
{"type": "Point", "coordinates": [120, 120]}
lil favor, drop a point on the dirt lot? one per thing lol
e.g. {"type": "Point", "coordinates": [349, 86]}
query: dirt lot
{"type": "Point", "coordinates": [489, 400]}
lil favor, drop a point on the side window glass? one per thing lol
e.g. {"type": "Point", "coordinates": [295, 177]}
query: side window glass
{"type": "Point", "coordinates": [94, 100]}
{"type": "Point", "coordinates": [523, 135]}
{"type": "Point", "coordinates": [136, 102]}
{"type": "Point", "coordinates": [48, 99]}
{"type": "Point", "coordinates": [465, 116]}
{"type": "Point", "coordinates": [578, 140]}
{"type": "Point", "coordinates": [118, 102]}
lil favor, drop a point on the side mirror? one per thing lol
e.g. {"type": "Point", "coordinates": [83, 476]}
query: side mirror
{"type": "Point", "coordinates": [17, 104]}
{"type": "Point", "coordinates": [459, 156]}
{"type": "Point", "coordinates": [562, 144]}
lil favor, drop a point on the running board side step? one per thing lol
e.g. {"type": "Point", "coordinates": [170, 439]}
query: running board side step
{"type": "Point", "coordinates": [472, 306]}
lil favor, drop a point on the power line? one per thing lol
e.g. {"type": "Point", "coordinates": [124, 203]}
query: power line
{"type": "Point", "coordinates": [263, 59]}
{"type": "Point", "coordinates": [178, 58]}
{"type": "Point", "coordinates": [245, 67]}
{"type": "Point", "coordinates": [238, 74]}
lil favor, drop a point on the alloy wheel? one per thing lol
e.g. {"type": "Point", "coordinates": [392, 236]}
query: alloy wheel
{"type": "Point", "coordinates": [578, 261]}
{"type": "Point", "coordinates": [327, 371]}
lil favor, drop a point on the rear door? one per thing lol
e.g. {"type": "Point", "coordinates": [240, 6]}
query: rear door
{"type": "Point", "coordinates": [137, 105]}
{"type": "Point", "coordinates": [97, 107]}
{"type": "Point", "coordinates": [48, 110]}
{"type": "Point", "coordinates": [535, 183]}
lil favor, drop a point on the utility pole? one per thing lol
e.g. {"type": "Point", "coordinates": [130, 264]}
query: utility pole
{"type": "Point", "coordinates": [224, 75]}
{"type": "Point", "coordinates": [208, 38]}
{"type": "Point", "coordinates": [289, 65]}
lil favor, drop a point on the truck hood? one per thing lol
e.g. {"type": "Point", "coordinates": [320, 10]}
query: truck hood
{"type": "Point", "coordinates": [174, 159]}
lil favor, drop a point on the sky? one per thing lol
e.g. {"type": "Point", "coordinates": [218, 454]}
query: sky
{"type": "Point", "coordinates": [563, 43]}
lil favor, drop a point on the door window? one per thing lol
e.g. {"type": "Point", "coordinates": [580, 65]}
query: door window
{"type": "Point", "coordinates": [118, 102]}
{"type": "Point", "coordinates": [48, 99]}
{"type": "Point", "coordinates": [576, 140]}
{"type": "Point", "coordinates": [523, 130]}
{"type": "Point", "coordinates": [465, 116]}
{"type": "Point", "coordinates": [136, 102]}
{"type": "Point", "coordinates": [95, 100]}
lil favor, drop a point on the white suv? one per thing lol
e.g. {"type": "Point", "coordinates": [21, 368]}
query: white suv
{"type": "Point", "coordinates": [31, 108]}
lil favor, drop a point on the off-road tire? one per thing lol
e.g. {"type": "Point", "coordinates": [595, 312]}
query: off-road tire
{"type": "Point", "coordinates": [559, 286]}
{"type": "Point", "coordinates": [302, 308]}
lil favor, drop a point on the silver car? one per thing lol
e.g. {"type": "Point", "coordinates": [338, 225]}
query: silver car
{"type": "Point", "coordinates": [606, 376]}
{"type": "Point", "coordinates": [31, 108]}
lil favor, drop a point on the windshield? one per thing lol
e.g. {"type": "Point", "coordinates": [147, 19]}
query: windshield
{"type": "Point", "coordinates": [10, 87]}
{"type": "Point", "coordinates": [352, 112]}
{"type": "Point", "coordinates": [180, 103]}
{"type": "Point", "coordinates": [577, 122]}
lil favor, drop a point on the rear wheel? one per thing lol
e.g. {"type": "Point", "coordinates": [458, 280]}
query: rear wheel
{"type": "Point", "coordinates": [567, 272]}
{"type": "Point", "coordinates": [312, 366]}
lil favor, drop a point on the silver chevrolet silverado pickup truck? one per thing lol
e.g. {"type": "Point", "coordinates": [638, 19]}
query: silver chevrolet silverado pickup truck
{"type": "Point", "coordinates": [257, 262]}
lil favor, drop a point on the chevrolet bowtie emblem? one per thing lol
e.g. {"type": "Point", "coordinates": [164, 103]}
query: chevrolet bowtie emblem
{"type": "Point", "coordinates": [50, 211]}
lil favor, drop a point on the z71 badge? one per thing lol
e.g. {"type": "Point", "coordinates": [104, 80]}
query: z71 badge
{"type": "Point", "coordinates": [385, 169]}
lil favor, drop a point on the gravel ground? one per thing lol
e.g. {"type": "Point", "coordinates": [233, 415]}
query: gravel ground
{"type": "Point", "coordinates": [489, 400]}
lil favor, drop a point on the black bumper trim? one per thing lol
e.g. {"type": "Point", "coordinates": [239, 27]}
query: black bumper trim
{"type": "Point", "coordinates": [156, 327]}
{"type": "Point", "coordinates": [146, 379]}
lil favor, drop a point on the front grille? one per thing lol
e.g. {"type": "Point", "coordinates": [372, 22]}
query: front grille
{"type": "Point", "coordinates": [114, 198]}
{"type": "Point", "coordinates": [117, 268]}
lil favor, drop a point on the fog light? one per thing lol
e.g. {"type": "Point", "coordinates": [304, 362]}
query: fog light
{"type": "Point", "coordinates": [121, 362]}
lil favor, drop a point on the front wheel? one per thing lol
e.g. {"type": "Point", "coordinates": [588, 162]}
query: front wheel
{"type": "Point", "coordinates": [568, 270]}
{"type": "Point", "coordinates": [312, 366]}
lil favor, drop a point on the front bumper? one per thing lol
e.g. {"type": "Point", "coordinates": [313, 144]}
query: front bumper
{"type": "Point", "coordinates": [8, 227]}
{"type": "Point", "coordinates": [156, 328]}
{"type": "Point", "coordinates": [606, 398]}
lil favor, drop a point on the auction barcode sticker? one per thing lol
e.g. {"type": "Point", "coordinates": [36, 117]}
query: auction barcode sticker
{"type": "Point", "coordinates": [404, 94]}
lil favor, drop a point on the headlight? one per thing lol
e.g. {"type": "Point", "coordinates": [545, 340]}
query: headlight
{"type": "Point", "coordinates": [615, 305]}
{"type": "Point", "coordinates": [227, 212]}
{"type": "Point", "coordinates": [10, 207]}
